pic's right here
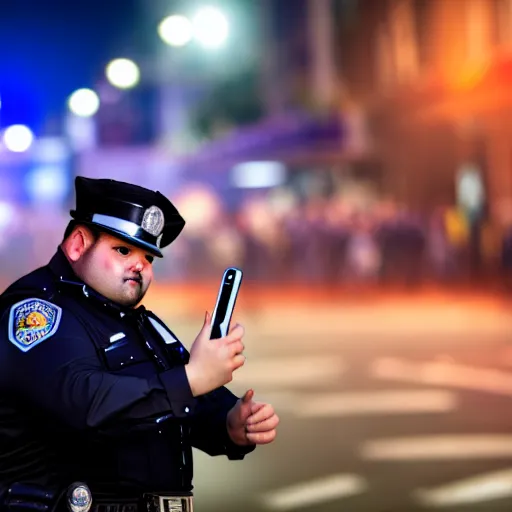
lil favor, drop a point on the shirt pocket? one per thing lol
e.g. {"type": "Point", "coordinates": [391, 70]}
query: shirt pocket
{"type": "Point", "coordinates": [122, 354]}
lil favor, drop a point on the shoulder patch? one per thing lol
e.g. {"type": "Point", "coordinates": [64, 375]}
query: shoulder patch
{"type": "Point", "coordinates": [33, 321]}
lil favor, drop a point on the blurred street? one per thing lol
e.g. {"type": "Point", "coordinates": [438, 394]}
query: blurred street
{"type": "Point", "coordinates": [388, 403]}
{"type": "Point", "coordinates": [365, 193]}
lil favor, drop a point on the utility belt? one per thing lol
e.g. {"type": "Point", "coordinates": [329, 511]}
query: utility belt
{"type": "Point", "coordinates": [78, 497]}
{"type": "Point", "coordinates": [22, 497]}
{"type": "Point", "coordinates": [148, 503]}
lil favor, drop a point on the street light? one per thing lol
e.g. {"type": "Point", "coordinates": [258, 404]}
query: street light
{"type": "Point", "coordinates": [123, 73]}
{"type": "Point", "coordinates": [175, 30]}
{"type": "Point", "coordinates": [18, 138]}
{"type": "Point", "coordinates": [84, 103]}
{"type": "Point", "coordinates": [210, 27]}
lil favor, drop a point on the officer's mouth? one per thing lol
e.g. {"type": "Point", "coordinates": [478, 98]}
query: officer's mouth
{"type": "Point", "coordinates": [137, 280]}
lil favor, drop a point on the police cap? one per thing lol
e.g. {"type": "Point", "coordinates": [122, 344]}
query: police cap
{"type": "Point", "coordinates": [144, 218]}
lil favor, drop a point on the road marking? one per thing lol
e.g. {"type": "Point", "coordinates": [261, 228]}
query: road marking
{"type": "Point", "coordinates": [291, 371]}
{"type": "Point", "coordinates": [443, 373]}
{"type": "Point", "coordinates": [479, 488]}
{"type": "Point", "coordinates": [377, 402]}
{"type": "Point", "coordinates": [386, 319]}
{"type": "Point", "coordinates": [360, 403]}
{"type": "Point", "coordinates": [442, 447]}
{"type": "Point", "coordinates": [315, 491]}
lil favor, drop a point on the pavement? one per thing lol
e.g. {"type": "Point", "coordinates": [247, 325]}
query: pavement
{"type": "Point", "coordinates": [389, 401]}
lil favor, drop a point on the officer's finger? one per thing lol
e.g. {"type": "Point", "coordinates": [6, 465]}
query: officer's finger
{"type": "Point", "coordinates": [265, 425]}
{"type": "Point", "coordinates": [256, 406]}
{"type": "Point", "coordinates": [260, 412]}
{"type": "Point", "coordinates": [235, 334]}
{"type": "Point", "coordinates": [236, 347]}
{"type": "Point", "coordinates": [237, 362]}
{"type": "Point", "coordinates": [233, 326]}
{"type": "Point", "coordinates": [261, 437]}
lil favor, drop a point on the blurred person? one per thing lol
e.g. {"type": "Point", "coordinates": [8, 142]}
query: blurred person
{"type": "Point", "coordinates": [203, 208]}
{"type": "Point", "coordinates": [458, 232]}
{"type": "Point", "coordinates": [337, 240]}
{"type": "Point", "coordinates": [506, 257]}
{"type": "Point", "coordinates": [439, 254]}
{"type": "Point", "coordinates": [309, 236]}
{"type": "Point", "coordinates": [264, 242]}
{"type": "Point", "coordinates": [402, 240]}
{"type": "Point", "coordinates": [95, 389]}
{"type": "Point", "coordinates": [363, 253]}
{"type": "Point", "coordinates": [226, 246]}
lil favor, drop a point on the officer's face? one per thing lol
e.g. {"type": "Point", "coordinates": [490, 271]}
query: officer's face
{"type": "Point", "coordinates": [119, 271]}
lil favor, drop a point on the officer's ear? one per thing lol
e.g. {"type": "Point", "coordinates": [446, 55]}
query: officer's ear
{"type": "Point", "coordinates": [78, 242]}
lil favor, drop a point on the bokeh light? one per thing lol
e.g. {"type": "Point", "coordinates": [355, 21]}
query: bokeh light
{"type": "Point", "coordinates": [210, 27]}
{"type": "Point", "coordinates": [47, 183]}
{"type": "Point", "coordinates": [84, 103]}
{"type": "Point", "coordinates": [123, 73]}
{"type": "Point", "coordinates": [175, 30]}
{"type": "Point", "coordinates": [18, 138]}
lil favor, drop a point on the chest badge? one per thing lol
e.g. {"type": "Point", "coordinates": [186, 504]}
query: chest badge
{"type": "Point", "coordinates": [33, 321]}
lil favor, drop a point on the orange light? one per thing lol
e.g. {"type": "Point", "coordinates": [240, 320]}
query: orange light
{"type": "Point", "coordinates": [468, 76]}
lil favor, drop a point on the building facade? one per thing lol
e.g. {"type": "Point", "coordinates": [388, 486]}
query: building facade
{"type": "Point", "coordinates": [432, 78]}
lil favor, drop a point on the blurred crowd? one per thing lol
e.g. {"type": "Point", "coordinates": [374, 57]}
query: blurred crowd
{"type": "Point", "coordinates": [277, 238]}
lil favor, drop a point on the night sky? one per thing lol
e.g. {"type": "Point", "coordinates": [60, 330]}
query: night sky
{"type": "Point", "coordinates": [50, 48]}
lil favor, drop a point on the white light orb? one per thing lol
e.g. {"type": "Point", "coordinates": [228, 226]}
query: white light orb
{"type": "Point", "coordinates": [123, 73]}
{"type": "Point", "coordinates": [84, 103]}
{"type": "Point", "coordinates": [210, 27]}
{"type": "Point", "coordinates": [175, 30]}
{"type": "Point", "coordinates": [18, 138]}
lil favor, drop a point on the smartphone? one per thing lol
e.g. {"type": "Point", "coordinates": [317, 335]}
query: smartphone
{"type": "Point", "coordinates": [226, 299]}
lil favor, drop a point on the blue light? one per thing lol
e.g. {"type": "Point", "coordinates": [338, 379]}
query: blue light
{"type": "Point", "coordinates": [47, 183]}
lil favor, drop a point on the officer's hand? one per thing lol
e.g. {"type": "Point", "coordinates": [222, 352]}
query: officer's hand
{"type": "Point", "coordinates": [250, 422]}
{"type": "Point", "coordinates": [212, 362]}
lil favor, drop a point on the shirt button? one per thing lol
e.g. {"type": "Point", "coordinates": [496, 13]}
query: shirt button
{"type": "Point", "coordinates": [187, 410]}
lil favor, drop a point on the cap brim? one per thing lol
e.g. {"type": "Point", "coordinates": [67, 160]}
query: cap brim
{"type": "Point", "coordinates": [153, 249]}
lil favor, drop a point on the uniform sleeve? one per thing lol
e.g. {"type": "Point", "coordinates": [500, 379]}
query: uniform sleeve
{"type": "Point", "coordinates": [62, 375]}
{"type": "Point", "coordinates": [209, 430]}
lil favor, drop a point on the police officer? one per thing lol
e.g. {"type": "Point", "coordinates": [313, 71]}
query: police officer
{"type": "Point", "coordinates": [99, 401]}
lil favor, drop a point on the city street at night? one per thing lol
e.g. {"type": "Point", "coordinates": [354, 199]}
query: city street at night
{"type": "Point", "coordinates": [387, 404]}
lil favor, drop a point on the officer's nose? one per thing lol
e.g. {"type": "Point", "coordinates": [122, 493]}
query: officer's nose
{"type": "Point", "coordinates": [138, 264]}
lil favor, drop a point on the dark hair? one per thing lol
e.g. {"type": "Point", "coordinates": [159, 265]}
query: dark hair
{"type": "Point", "coordinates": [95, 232]}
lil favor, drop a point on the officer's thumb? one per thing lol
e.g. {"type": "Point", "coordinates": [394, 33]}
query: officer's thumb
{"type": "Point", "coordinates": [245, 405]}
{"type": "Point", "coordinates": [206, 330]}
{"type": "Point", "coordinates": [249, 395]}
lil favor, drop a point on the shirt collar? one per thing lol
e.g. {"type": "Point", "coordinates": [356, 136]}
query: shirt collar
{"type": "Point", "coordinates": [61, 268]}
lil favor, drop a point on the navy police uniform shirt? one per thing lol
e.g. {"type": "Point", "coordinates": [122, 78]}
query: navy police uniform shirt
{"type": "Point", "coordinates": [93, 392]}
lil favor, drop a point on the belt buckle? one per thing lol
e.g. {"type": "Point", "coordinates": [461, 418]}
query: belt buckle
{"type": "Point", "coordinates": [160, 503]}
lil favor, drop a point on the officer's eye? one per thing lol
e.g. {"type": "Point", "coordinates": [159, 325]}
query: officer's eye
{"type": "Point", "coordinates": [150, 258]}
{"type": "Point", "coordinates": [123, 250]}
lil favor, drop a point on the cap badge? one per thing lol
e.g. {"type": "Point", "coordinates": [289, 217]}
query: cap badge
{"type": "Point", "coordinates": [153, 221]}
